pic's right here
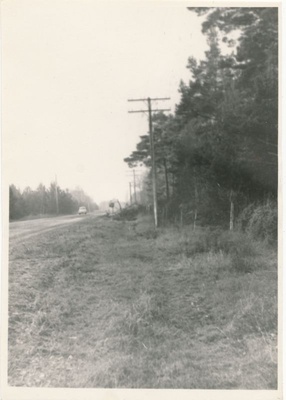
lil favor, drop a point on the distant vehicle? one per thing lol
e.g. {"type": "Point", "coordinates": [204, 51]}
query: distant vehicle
{"type": "Point", "coordinates": [82, 210]}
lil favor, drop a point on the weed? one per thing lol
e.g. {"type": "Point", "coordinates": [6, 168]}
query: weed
{"type": "Point", "coordinates": [139, 316]}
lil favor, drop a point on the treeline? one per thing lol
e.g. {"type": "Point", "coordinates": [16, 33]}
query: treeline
{"type": "Point", "coordinates": [46, 201]}
{"type": "Point", "coordinates": [217, 154]}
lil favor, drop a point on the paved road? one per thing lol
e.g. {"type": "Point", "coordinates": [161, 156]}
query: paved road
{"type": "Point", "coordinates": [20, 230]}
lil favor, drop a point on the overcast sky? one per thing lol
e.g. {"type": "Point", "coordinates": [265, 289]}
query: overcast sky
{"type": "Point", "coordinates": [69, 68]}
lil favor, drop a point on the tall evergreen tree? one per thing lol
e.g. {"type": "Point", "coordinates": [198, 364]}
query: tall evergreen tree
{"type": "Point", "coordinates": [220, 148]}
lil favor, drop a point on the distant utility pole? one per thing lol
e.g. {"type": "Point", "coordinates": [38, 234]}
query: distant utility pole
{"type": "Point", "coordinates": [134, 184]}
{"type": "Point", "coordinates": [130, 193]}
{"type": "Point", "coordinates": [152, 147]}
{"type": "Point", "coordinates": [56, 193]}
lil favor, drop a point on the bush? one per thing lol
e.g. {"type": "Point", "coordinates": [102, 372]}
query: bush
{"type": "Point", "coordinates": [260, 221]}
{"type": "Point", "coordinates": [244, 217]}
{"type": "Point", "coordinates": [129, 213]}
{"type": "Point", "coordinates": [263, 223]}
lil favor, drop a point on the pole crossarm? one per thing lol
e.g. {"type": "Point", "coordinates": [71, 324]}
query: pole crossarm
{"type": "Point", "coordinates": [155, 98]}
{"type": "Point", "coordinates": [137, 111]}
{"type": "Point", "coordinates": [157, 109]}
{"type": "Point", "coordinates": [137, 100]}
{"type": "Point", "coordinates": [160, 98]}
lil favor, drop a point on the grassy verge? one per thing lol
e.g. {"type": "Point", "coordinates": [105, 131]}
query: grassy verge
{"type": "Point", "coordinates": [110, 304]}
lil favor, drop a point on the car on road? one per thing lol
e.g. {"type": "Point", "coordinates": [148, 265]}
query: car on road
{"type": "Point", "coordinates": [82, 210]}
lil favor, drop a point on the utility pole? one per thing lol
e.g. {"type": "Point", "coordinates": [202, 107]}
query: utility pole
{"type": "Point", "coordinates": [152, 147]}
{"type": "Point", "coordinates": [134, 176]}
{"type": "Point", "coordinates": [56, 193]}
{"type": "Point", "coordinates": [134, 185]}
{"type": "Point", "coordinates": [130, 193]}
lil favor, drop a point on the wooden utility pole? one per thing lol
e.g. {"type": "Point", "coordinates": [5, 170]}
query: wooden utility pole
{"type": "Point", "coordinates": [152, 147]}
{"type": "Point", "coordinates": [154, 174]}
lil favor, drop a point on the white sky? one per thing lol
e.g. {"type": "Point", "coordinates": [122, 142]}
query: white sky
{"type": "Point", "coordinates": [69, 68]}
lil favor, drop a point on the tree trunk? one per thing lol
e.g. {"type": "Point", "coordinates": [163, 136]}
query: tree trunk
{"type": "Point", "coordinates": [196, 201]}
{"type": "Point", "coordinates": [166, 212]}
{"type": "Point", "coordinates": [195, 219]}
{"type": "Point", "coordinates": [173, 184]}
{"type": "Point", "coordinates": [231, 214]}
{"type": "Point", "coordinates": [167, 180]}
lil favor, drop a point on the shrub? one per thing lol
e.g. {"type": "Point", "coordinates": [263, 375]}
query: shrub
{"type": "Point", "coordinates": [263, 222]}
{"type": "Point", "coordinates": [244, 217]}
{"type": "Point", "coordinates": [129, 213]}
{"type": "Point", "coordinates": [260, 221]}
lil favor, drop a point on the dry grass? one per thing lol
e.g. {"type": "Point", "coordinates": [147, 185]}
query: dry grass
{"type": "Point", "coordinates": [108, 304]}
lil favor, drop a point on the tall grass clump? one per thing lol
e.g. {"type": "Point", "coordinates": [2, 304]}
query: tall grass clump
{"type": "Point", "coordinates": [244, 252]}
{"type": "Point", "coordinates": [240, 247]}
{"type": "Point", "coordinates": [145, 227]}
{"type": "Point", "coordinates": [260, 221]}
{"type": "Point", "coordinates": [139, 316]}
{"type": "Point", "coordinates": [187, 241]}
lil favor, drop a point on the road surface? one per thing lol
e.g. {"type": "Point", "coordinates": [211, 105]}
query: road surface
{"type": "Point", "coordinates": [21, 230]}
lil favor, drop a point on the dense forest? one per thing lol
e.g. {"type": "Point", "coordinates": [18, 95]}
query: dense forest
{"type": "Point", "coordinates": [217, 155]}
{"type": "Point", "coordinates": [47, 201]}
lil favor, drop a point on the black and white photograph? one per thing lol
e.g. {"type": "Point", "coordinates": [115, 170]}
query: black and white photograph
{"type": "Point", "coordinates": [140, 198]}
